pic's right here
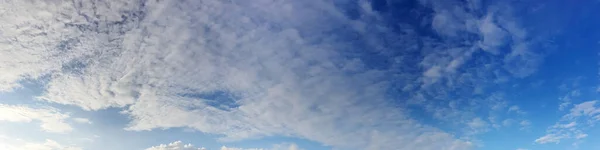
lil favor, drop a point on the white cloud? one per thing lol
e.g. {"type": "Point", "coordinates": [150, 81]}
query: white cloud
{"type": "Point", "coordinates": [448, 72]}
{"type": "Point", "coordinates": [447, 23]}
{"type": "Point", "coordinates": [584, 109]}
{"type": "Point", "coordinates": [525, 124]}
{"type": "Point", "coordinates": [478, 125]}
{"type": "Point", "coordinates": [277, 59]}
{"type": "Point", "coordinates": [516, 109]}
{"type": "Point", "coordinates": [48, 145]}
{"type": "Point", "coordinates": [178, 145]}
{"type": "Point", "coordinates": [50, 119]}
{"type": "Point", "coordinates": [285, 67]}
{"type": "Point", "coordinates": [507, 122]}
{"type": "Point", "coordinates": [9, 143]}
{"type": "Point", "coordinates": [549, 138]}
{"type": "Point", "coordinates": [493, 36]}
{"type": "Point", "coordinates": [570, 125]}
{"type": "Point", "coordinates": [286, 146]}
{"type": "Point", "coordinates": [233, 148]}
{"type": "Point", "coordinates": [522, 62]}
{"type": "Point", "coordinates": [564, 105]}
{"type": "Point", "coordinates": [522, 149]}
{"type": "Point", "coordinates": [496, 29]}
{"type": "Point", "coordinates": [567, 127]}
{"type": "Point", "coordinates": [82, 120]}
{"type": "Point", "coordinates": [513, 108]}
{"type": "Point", "coordinates": [581, 136]}
{"type": "Point", "coordinates": [568, 98]}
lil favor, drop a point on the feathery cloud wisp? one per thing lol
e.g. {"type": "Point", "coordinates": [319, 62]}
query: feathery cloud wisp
{"type": "Point", "coordinates": [51, 120]}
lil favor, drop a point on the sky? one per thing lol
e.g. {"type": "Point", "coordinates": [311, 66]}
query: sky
{"type": "Point", "coordinates": [299, 75]}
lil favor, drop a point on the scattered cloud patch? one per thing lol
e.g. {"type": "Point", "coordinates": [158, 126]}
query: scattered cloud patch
{"type": "Point", "coordinates": [178, 145]}
{"type": "Point", "coordinates": [48, 145]}
{"type": "Point", "coordinates": [507, 122]}
{"type": "Point", "coordinates": [9, 143]}
{"type": "Point", "coordinates": [550, 138]}
{"type": "Point", "coordinates": [82, 120]}
{"type": "Point", "coordinates": [581, 136]}
{"type": "Point", "coordinates": [525, 124]}
{"type": "Point", "coordinates": [286, 146]}
{"type": "Point", "coordinates": [233, 148]}
{"type": "Point", "coordinates": [50, 119]}
{"type": "Point", "coordinates": [516, 109]}
{"type": "Point", "coordinates": [585, 109]}
{"type": "Point", "coordinates": [567, 100]}
{"type": "Point", "coordinates": [568, 128]}
{"type": "Point", "coordinates": [570, 125]}
{"type": "Point", "coordinates": [478, 125]}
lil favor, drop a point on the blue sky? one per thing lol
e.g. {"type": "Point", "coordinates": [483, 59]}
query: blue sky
{"type": "Point", "coordinates": [299, 75]}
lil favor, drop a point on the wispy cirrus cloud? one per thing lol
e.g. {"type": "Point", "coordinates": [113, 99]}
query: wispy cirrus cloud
{"type": "Point", "coordinates": [50, 119]}
{"type": "Point", "coordinates": [10, 143]}
{"type": "Point", "coordinates": [177, 145]}
{"type": "Point", "coordinates": [568, 128]}
{"type": "Point", "coordinates": [82, 120]}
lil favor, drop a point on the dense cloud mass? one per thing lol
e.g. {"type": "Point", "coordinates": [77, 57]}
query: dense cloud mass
{"type": "Point", "coordinates": [317, 70]}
